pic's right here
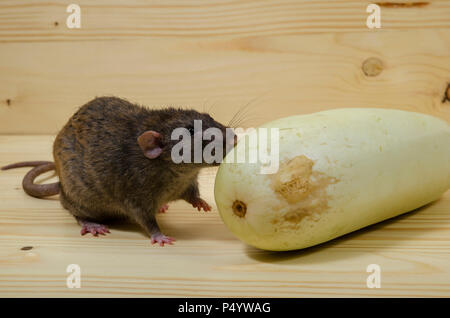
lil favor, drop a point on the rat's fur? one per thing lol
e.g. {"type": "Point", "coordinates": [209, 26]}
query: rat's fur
{"type": "Point", "coordinates": [103, 172]}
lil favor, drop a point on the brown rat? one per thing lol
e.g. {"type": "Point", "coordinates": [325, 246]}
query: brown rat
{"type": "Point", "coordinates": [113, 160]}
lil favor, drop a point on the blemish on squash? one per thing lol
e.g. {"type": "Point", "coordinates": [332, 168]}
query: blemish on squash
{"type": "Point", "coordinates": [239, 208]}
{"type": "Point", "coordinates": [446, 94]}
{"type": "Point", "coordinates": [295, 216]}
{"type": "Point", "coordinates": [303, 188]}
{"type": "Point", "coordinates": [292, 181]}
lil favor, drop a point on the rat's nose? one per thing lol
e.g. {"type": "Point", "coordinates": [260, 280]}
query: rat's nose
{"type": "Point", "coordinates": [230, 138]}
{"type": "Point", "coordinates": [232, 141]}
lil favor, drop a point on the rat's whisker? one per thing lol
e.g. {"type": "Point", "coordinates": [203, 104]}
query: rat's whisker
{"type": "Point", "coordinates": [231, 120]}
{"type": "Point", "coordinates": [242, 111]}
{"type": "Point", "coordinates": [242, 114]}
{"type": "Point", "coordinates": [238, 114]}
{"type": "Point", "coordinates": [205, 100]}
{"type": "Point", "coordinates": [212, 106]}
{"type": "Point", "coordinates": [245, 121]}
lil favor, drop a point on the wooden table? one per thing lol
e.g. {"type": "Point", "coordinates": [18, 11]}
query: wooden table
{"type": "Point", "coordinates": [283, 57]}
{"type": "Point", "coordinates": [207, 260]}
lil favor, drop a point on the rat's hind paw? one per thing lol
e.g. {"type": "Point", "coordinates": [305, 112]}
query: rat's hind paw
{"type": "Point", "coordinates": [161, 239]}
{"type": "Point", "coordinates": [93, 228]}
{"type": "Point", "coordinates": [201, 204]}
{"type": "Point", "coordinates": [164, 208]}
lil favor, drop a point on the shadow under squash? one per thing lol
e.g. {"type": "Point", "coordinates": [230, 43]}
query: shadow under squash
{"type": "Point", "coordinates": [321, 253]}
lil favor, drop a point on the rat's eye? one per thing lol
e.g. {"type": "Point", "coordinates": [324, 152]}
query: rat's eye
{"type": "Point", "coordinates": [191, 130]}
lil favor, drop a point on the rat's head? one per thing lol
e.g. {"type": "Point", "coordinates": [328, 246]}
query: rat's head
{"type": "Point", "coordinates": [188, 137]}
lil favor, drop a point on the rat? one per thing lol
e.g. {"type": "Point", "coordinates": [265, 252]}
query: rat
{"type": "Point", "coordinates": [113, 161]}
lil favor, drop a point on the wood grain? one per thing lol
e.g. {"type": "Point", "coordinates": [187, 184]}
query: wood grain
{"type": "Point", "coordinates": [34, 20]}
{"type": "Point", "coordinates": [207, 260]}
{"type": "Point", "coordinates": [282, 57]}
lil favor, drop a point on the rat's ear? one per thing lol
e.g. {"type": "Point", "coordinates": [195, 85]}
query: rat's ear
{"type": "Point", "coordinates": [150, 144]}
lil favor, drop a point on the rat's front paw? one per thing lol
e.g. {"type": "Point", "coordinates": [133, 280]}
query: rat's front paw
{"type": "Point", "coordinates": [164, 208]}
{"type": "Point", "coordinates": [201, 204]}
{"type": "Point", "coordinates": [161, 239]}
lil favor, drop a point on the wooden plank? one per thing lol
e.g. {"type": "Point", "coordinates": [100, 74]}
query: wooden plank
{"type": "Point", "coordinates": [37, 20]}
{"type": "Point", "coordinates": [43, 83]}
{"type": "Point", "coordinates": [288, 57]}
{"type": "Point", "coordinates": [412, 251]}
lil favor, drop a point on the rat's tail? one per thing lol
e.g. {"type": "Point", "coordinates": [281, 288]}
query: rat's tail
{"type": "Point", "coordinates": [36, 190]}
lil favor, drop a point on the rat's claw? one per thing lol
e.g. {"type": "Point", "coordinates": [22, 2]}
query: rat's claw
{"type": "Point", "coordinates": [201, 204]}
{"type": "Point", "coordinates": [161, 239]}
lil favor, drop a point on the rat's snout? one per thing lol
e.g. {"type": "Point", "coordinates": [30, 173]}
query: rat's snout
{"type": "Point", "coordinates": [231, 138]}
{"type": "Point", "coordinates": [234, 140]}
